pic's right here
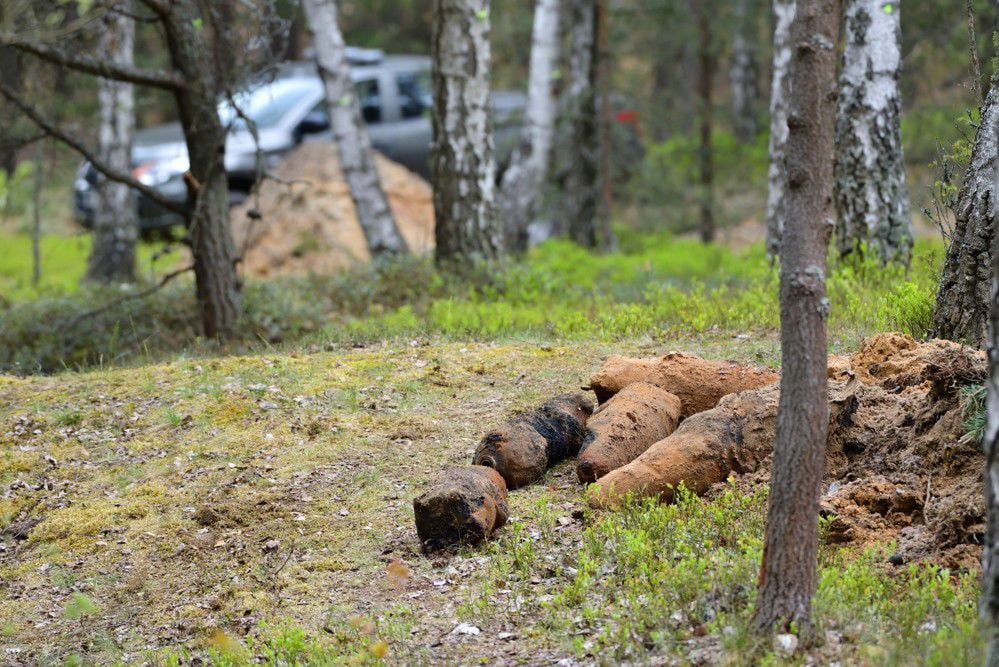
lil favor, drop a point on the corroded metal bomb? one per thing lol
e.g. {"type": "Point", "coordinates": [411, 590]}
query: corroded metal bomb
{"type": "Point", "coordinates": [629, 423]}
{"type": "Point", "coordinates": [698, 383]}
{"type": "Point", "coordinates": [464, 505]}
{"type": "Point", "coordinates": [526, 446]}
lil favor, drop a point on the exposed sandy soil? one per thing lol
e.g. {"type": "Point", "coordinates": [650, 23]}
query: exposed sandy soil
{"type": "Point", "coordinates": [307, 219]}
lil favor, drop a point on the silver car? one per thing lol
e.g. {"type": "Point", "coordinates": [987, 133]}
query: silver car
{"type": "Point", "coordinates": [394, 92]}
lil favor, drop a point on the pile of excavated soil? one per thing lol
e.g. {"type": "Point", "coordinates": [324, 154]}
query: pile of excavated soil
{"type": "Point", "coordinates": [307, 222]}
{"type": "Point", "coordinates": [899, 465]}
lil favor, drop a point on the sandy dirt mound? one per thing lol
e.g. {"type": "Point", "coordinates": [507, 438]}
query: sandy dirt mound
{"type": "Point", "coordinates": [898, 361]}
{"type": "Point", "coordinates": [307, 222]}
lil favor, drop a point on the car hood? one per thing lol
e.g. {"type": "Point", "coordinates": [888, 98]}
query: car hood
{"type": "Point", "coordinates": [166, 142]}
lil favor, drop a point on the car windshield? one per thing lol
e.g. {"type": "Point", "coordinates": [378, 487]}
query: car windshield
{"type": "Point", "coordinates": [268, 104]}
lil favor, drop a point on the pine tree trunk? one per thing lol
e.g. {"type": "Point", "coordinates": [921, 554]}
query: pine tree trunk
{"type": "Point", "coordinates": [462, 162]}
{"type": "Point", "coordinates": [112, 254]}
{"type": "Point", "coordinates": [990, 557]}
{"type": "Point", "coordinates": [218, 287]}
{"type": "Point", "coordinates": [779, 91]}
{"type": "Point", "coordinates": [872, 198]}
{"type": "Point", "coordinates": [11, 76]}
{"type": "Point", "coordinates": [962, 309]}
{"type": "Point", "coordinates": [787, 575]}
{"type": "Point", "coordinates": [743, 77]}
{"type": "Point", "coordinates": [523, 179]}
{"type": "Point", "coordinates": [582, 188]}
{"type": "Point", "coordinates": [357, 159]}
{"type": "Point", "coordinates": [705, 85]}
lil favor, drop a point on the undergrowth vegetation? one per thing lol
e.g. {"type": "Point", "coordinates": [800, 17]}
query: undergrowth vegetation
{"type": "Point", "coordinates": [680, 579]}
{"type": "Point", "coordinates": [657, 287]}
{"type": "Point", "coordinates": [655, 582]}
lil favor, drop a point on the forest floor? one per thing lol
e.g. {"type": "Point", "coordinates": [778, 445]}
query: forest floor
{"type": "Point", "coordinates": [259, 507]}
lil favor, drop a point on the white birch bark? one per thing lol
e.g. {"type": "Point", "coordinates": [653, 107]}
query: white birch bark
{"type": "Point", "coordinates": [116, 231]}
{"type": "Point", "coordinates": [872, 198]}
{"type": "Point", "coordinates": [463, 164]}
{"type": "Point", "coordinates": [357, 158]}
{"type": "Point", "coordinates": [523, 179]}
{"type": "Point", "coordinates": [784, 11]}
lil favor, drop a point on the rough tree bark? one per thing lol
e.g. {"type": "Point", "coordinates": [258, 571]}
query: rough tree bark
{"type": "Point", "coordinates": [787, 574]}
{"type": "Point", "coordinates": [872, 199]}
{"type": "Point", "coordinates": [989, 607]}
{"type": "Point", "coordinates": [583, 187]}
{"type": "Point", "coordinates": [357, 159]}
{"type": "Point", "coordinates": [779, 91]}
{"type": "Point", "coordinates": [523, 179]}
{"type": "Point", "coordinates": [705, 85]}
{"type": "Point", "coordinates": [743, 76]}
{"type": "Point", "coordinates": [963, 297]}
{"type": "Point", "coordinates": [217, 285]}
{"type": "Point", "coordinates": [116, 229]}
{"type": "Point", "coordinates": [462, 160]}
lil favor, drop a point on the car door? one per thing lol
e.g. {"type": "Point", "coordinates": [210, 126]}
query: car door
{"type": "Point", "coordinates": [405, 133]}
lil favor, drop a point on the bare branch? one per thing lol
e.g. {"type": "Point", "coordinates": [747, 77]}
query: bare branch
{"type": "Point", "coordinates": [137, 75]}
{"type": "Point", "coordinates": [68, 328]}
{"type": "Point", "coordinates": [50, 129]}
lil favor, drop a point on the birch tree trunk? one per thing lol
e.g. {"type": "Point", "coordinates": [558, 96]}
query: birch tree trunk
{"type": "Point", "coordinates": [743, 77]}
{"type": "Point", "coordinates": [116, 230]}
{"type": "Point", "coordinates": [787, 574]}
{"type": "Point", "coordinates": [583, 181]}
{"type": "Point", "coordinates": [522, 181]}
{"type": "Point", "coordinates": [990, 557]}
{"type": "Point", "coordinates": [962, 309]}
{"type": "Point", "coordinates": [462, 160]}
{"type": "Point", "coordinates": [779, 91]}
{"type": "Point", "coordinates": [872, 198]}
{"type": "Point", "coordinates": [357, 159]}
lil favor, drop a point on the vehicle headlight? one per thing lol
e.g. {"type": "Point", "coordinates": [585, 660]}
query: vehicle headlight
{"type": "Point", "coordinates": [158, 172]}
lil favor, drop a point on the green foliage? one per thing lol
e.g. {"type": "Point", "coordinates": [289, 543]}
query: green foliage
{"type": "Point", "coordinates": [64, 262]}
{"type": "Point", "coordinates": [670, 170]}
{"type": "Point", "coordinates": [656, 287]}
{"type": "Point", "coordinates": [15, 189]}
{"type": "Point", "coordinates": [909, 309]}
{"type": "Point", "coordinates": [975, 417]}
{"type": "Point", "coordinates": [79, 606]}
{"type": "Point", "coordinates": [355, 640]}
{"type": "Point", "coordinates": [649, 579]}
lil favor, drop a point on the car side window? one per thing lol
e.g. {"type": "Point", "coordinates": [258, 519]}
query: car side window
{"type": "Point", "coordinates": [414, 93]}
{"type": "Point", "coordinates": [370, 98]}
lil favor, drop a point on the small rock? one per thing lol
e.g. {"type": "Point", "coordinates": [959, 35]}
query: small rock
{"type": "Point", "coordinates": [271, 546]}
{"type": "Point", "coordinates": [786, 644]}
{"type": "Point", "coordinates": [505, 636]}
{"type": "Point", "coordinates": [465, 629]}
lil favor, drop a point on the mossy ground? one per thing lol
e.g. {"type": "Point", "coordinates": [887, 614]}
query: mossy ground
{"type": "Point", "coordinates": [260, 507]}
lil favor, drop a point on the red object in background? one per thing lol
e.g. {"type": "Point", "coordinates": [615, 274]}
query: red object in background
{"type": "Point", "coordinates": [627, 116]}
